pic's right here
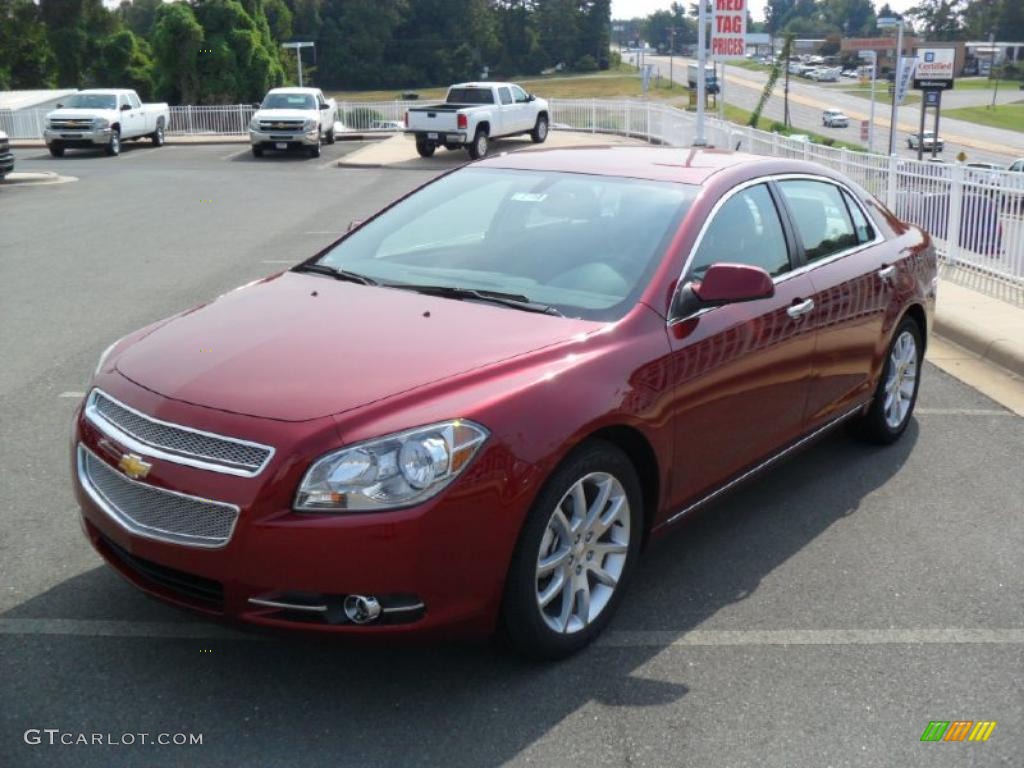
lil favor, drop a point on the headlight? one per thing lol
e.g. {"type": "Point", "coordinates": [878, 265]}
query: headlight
{"type": "Point", "coordinates": [310, 125]}
{"type": "Point", "coordinates": [105, 355]}
{"type": "Point", "coordinates": [393, 471]}
{"type": "Point", "coordinates": [99, 123]}
{"type": "Point", "coordinates": [254, 124]}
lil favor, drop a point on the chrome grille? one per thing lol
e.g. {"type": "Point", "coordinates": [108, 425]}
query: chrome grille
{"type": "Point", "coordinates": [154, 512]}
{"type": "Point", "coordinates": [281, 125]}
{"type": "Point", "coordinates": [175, 443]}
{"type": "Point", "coordinates": [72, 123]}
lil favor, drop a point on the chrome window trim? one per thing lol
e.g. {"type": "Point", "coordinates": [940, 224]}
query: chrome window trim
{"type": "Point", "coordinates": [879, 238]}
{"type": "Point", "coordinates": [759, 467]}
{"type": "Point", "coordinates": [113, 431]}
{"type": "Point", "coordinates": [145, 531]}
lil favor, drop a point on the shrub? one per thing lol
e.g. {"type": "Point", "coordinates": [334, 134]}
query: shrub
{"type": "Point", "coordinates": [586, 63]}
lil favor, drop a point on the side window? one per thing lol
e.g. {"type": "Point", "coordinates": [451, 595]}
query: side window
{"type": "Point", "coordinates": [745, 230]}
{"type": "Point", "coordinates": [505, 95]}
{"type": "Point", "coordinates": [822, 221]}
{"type": "Point", "coordinates": [865, 232]}
{"type": "Point", "coordinates": [520, 95]}
{"type": "Point", "coordinates": [134, 101]}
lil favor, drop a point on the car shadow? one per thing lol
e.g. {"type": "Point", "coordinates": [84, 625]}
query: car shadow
{"type": "Point", "coordinates": [286, 699]}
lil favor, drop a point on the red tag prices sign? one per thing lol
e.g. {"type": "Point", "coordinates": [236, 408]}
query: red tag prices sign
{"type": "Point", "coordinates": [729, 30]}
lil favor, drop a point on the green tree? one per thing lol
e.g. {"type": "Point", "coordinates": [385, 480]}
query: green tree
{"type": "Point", "coordinates": [177, 40]}
{"type": "Point", "coordinates": [139, 15]}
{"type": "Point", "coordinates": [26, 59]}
{"type": "Point", "coordinates": [854, 18]}
{"type": "Point", "coordinates": [123, 59]}
{"type": "Point", "coordinates": [939, 19]}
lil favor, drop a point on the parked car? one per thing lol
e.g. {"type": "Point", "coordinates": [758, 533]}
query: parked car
{"type": "Point", "coordinates": [6, 156]}
{"type": "Point", "coordinates": [825, 74]}
{"type": "Point", "coordinates": [474, 113]}
{"type": "Point", "coordinates": [293, 118]}
{"type": "Point", "coordinates": [834, 118]}
{"type": "Point", "coordinates": [928, 140]}
{"type": "Point", "coordinates": [104, 117]}
{"type": "Point", "coordinates": [1017, 165]}
{"type": "Point", "coordinates": [473, 410]}
{"type": "Point", "coordinates": [851, 73]}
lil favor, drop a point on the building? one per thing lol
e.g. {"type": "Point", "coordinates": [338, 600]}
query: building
{"type": "Point", "coordinates": [22, 112]}
{"type": "Point", "coordinates": [16, 100]}
{"type": "Point", "coordinates": [884, 48]}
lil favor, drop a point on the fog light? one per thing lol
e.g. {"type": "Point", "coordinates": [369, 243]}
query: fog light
{"type": "Point", "coordinates": [362, 609]}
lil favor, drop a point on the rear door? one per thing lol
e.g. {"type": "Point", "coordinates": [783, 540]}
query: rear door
{"type": "Point", "coordinates": [525, 119]}
{"type": "Point", "coordinates": [508, 108]}
{"type": "Point", "coordinates": [742, 371]}
{"type": "Point", "coordinates": [853, 285]}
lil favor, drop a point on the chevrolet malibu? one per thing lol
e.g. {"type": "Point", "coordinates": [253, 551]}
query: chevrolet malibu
{"type": "Point", "coordinates": [472, 412]}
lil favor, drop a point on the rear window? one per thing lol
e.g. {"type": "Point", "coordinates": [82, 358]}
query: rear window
{"type": "Point", "coordinates": [470, 96]}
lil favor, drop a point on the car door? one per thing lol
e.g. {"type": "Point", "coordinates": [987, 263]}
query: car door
{"type": "Point", "coordinates": [844, 258]}
{"type": "Point", "coordinates": [525, 118]}
{"type": "Point", "coordinates": [741, 370]}
{"type": "Point", "coordinates": [326, 118]}
{"type": "Point", "coordinates": [508, 108]}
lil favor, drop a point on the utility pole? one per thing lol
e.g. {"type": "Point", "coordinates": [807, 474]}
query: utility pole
{"type": "Point", "coordinates": [893, 21]}
{"type": "Point", "coordinates": [671, 53]}
{"type": "Point", "coordinates": [702, 58]}
{"type": "Point", "coordinates": [992, 66]}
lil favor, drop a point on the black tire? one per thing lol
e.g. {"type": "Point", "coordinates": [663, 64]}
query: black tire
{"type": "Point", "coordinates": [873, 426]}
{"type": "Point", "coordinates": [330, 136]}
{"type": "Point", "coordinates": [257, 151]}
{"type": "Point", "coordinates": [539, 134]}
{"type": "Point", "coordinates": [157, 136]}
{"type": "Point", "coordinates": [425, 148]}
{"type": "Point", "coordinates": [314, 151]}
{"type": "Point", "coordinates": [478, 147]}
{"type": "Point", "coordinates": [522, 625]}
{"type": "Point", "coordinates": [56, 149]}
{"type": "Point", "coordinates": [113, 147]}
{"type": "Point", "coordinates": [910, 144]}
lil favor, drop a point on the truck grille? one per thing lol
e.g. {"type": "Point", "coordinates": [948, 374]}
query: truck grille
{"type": "Point", "coordinates": [71, 123]}
{"type": "Point", "coordinates": [288, 126]}
{"type": "Point", "coordinates": [154, 512]}
{"type": "Point", "coordinates": [174, 443]}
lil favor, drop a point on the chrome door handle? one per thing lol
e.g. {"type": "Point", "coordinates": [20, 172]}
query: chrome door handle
{"type": "Point", "coordinates": [887, 273]}
{"type": "Point", "coordinates": [796, 311]}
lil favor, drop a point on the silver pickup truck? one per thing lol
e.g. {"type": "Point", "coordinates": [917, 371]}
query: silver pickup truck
{"type": "Point", "coordinates": [104, 117]}
{"type": "Point", "coordinates": [474, 113]}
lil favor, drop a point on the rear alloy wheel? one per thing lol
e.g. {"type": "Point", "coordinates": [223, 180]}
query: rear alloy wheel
{"type": "Point", "coordinates": [113, 147]}
{"type": "Point", "coordinates": [574, 555]}
{"type": "Point", "coordinates": [540, 131]}
{"type": "Point", "coordinates": [478, 147]}
{"type": "Point", "coordinates": [896, 394]}
{"type": "Point", "coordinates": [158, 135]}
{"type": "Point", "coordinates": [425, 148]}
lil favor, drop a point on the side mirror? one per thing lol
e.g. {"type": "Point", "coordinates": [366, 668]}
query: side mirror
{"type": "Point", "coordinates": [530, 97]}
{"type": "Point", "coordinates": [125, 107]}
{"type": "Point", "coordinates": [722, 284]}
{"type": "Point", "coordinates": [60, 105]}
{"type": "Point", "coordinates": [256, 105]}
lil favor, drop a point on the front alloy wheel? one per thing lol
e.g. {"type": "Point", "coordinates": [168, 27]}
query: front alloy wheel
{"type": "Point", "coordinates": [583, 553]}
{"type": "Point", "coordinates": [575, 553]}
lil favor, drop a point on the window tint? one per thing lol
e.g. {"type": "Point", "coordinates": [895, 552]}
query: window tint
{"type": "Point", "coordinates": [746, 230]}
{"type": "Point", "coordinates": [865, 232]}
{"type": "Point", "coordinates": [133, 100]}
{"type": "Point", "coordinates": [470, 96]}
{"type": "Point", "coordinates": [820, 215]}
{"type": "Point", "coordinates": [520, 95]}
{"type": "Point", "coordinates": [505, 95]}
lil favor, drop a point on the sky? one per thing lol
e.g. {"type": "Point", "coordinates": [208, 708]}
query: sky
{"type": "Point", "coordinates": [627, 9]}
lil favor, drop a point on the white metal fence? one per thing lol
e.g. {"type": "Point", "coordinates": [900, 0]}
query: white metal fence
{"type": "Point", "coordinates": [976, 216]}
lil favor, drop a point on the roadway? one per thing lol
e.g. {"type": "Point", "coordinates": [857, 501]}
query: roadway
{"type": "Point", "coordinates": [823, 616]}
{"type": "Point", "coordinates": [807, 99]}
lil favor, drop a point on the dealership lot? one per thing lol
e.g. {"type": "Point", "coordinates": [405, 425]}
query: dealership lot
{"type": "Point", "coordinates": [821, 616]}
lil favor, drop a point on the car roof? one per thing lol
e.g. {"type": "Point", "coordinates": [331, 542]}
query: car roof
{"type": "Point", "coordinates": [106, 91]}
{"type": "Point", "coordinates": [488, 84]}
{"type": "Point", "coordinates": [309, 91]}
{"type": "Point", "coordinates": [684, 165]}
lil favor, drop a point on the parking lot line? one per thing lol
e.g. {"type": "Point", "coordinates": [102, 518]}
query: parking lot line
{"type": "Point", "coordinates": [963, 412]}
{"type": "Point", "coordinates": [238, 153]}
{"type": "Point", "coordinates": [612, 639]}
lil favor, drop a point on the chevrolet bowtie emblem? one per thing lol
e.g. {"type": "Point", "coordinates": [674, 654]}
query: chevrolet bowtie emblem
{"type": "Point", "coordinates": [134, 466]}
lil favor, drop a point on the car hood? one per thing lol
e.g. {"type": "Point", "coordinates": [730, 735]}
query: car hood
{"type": "Point", "coordinates": [82, 113]}
{"type": "Point", "coordinates": [286, 114]}
{"type": "Point", "coordinates": [296, 346]}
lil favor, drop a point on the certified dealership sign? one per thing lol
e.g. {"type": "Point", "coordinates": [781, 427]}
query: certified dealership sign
{"type": "Point", "coordinates": [935, 68]}
{"type": "Point", "coordinates": [729, 30]}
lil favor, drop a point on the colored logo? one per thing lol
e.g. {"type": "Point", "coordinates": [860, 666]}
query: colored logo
{"type": "Point", "coordinates": [929, 56]}
{"type": "Point", "coordinates": [134, 466]}
{"type": "Point", "coordinates": [958, 730]}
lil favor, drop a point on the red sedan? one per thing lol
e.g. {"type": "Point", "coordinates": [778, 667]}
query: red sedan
{"type": "Point", "coordinates": [473, 411]}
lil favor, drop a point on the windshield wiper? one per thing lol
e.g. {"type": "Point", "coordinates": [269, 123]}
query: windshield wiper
{"type": "Point", "coordinates": [337, 274]}
{"type": "Point", "coordinates": [514, 300]}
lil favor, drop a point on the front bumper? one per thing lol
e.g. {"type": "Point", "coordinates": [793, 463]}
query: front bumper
{"type": "Point", "coordinates": [441, 566]}
{"type": "Point", "coordinates": [6, 163]}
{"type": "Point", "coordinates": [271, 140]}
{"type": "Point", "coordinates": [74, 138]}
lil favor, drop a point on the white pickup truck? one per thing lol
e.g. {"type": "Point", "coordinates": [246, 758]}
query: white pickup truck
{"type": "Point", "coordinates": [104, 117]}
{"type": "Point", "coordinates": [474, 113]}
{"type": "Point", "coordinates": [292, 118]}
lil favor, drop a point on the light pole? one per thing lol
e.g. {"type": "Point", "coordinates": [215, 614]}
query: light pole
{"type": "Point", "coordinates": [893, 21]}
{"type": "Point", "coordinates": [872, 56]}
{"type": "Point", "coordinates": [298, 54]}
{"type": "Point", "coordinates": [992, 67]}
{"type": "Point", "coordinates": [702, 58]}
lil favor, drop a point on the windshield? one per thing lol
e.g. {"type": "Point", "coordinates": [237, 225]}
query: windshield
{"type": "Point", "coordinates": [92, 101]}
{"type": "Point", "coordinates": [288, 101]}
{"type": "Point", "coordinates": [470, 96]}
{"type": "Point", "coordinates": [585, 245]}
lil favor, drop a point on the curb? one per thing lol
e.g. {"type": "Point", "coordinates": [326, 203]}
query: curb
{"type": "Point", "coordinates": [991, 350]}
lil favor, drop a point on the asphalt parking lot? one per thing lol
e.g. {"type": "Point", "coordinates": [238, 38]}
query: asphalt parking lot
{"type": "Point", "coordinates": [822, 616]}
